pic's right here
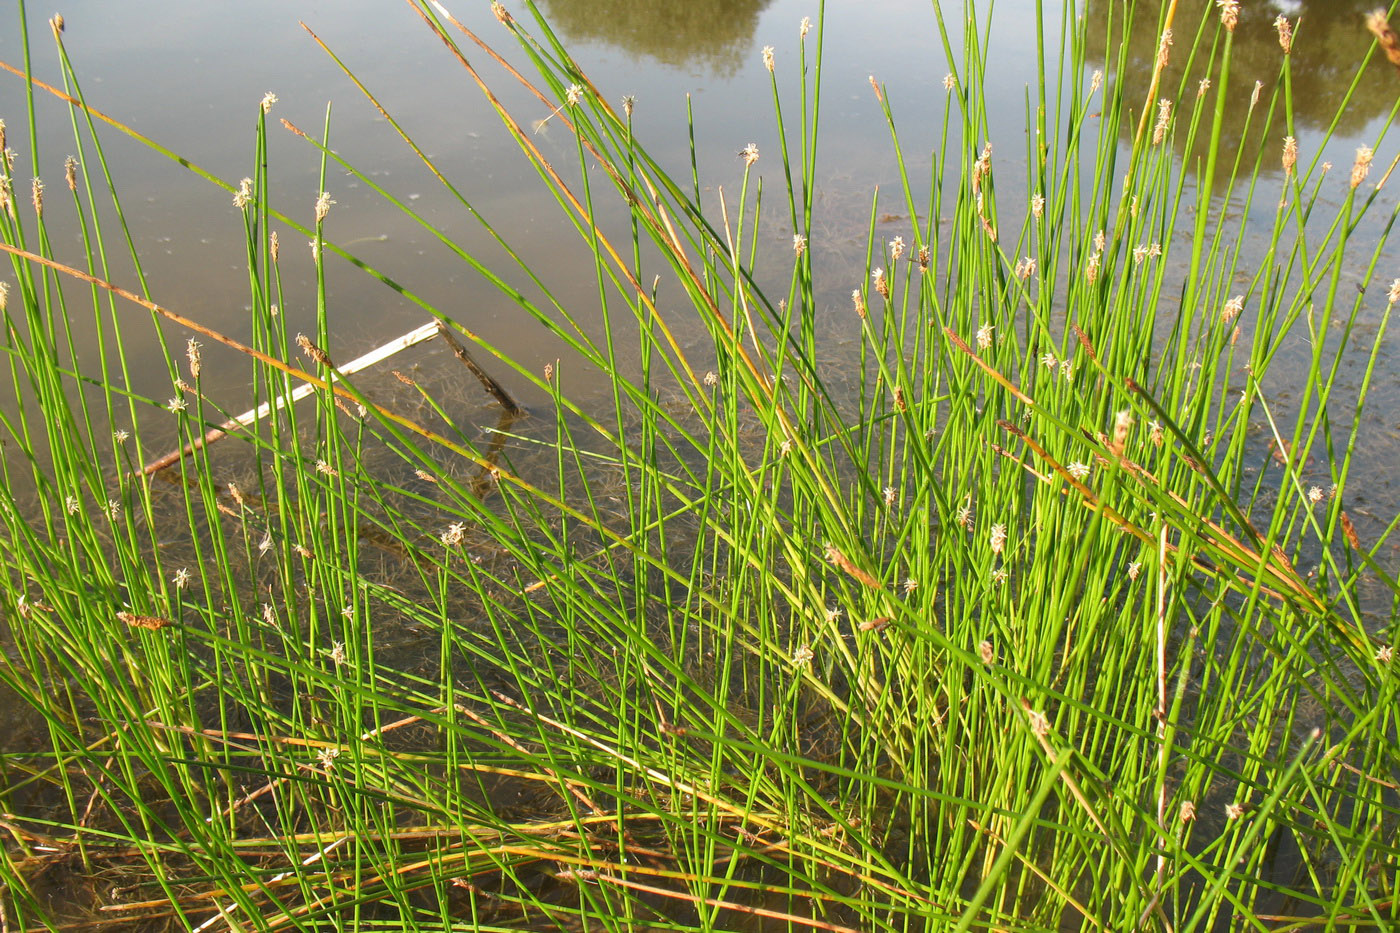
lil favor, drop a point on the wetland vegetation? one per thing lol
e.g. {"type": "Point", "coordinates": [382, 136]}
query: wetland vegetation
{"type": "Point", "coordinates": [1021, 588]}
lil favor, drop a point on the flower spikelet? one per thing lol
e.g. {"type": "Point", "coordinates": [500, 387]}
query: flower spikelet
{"type": "Point", "coordinates": [323, 205]}
{"type": "Point", "coordinates": [1362, 166]}
{"type": "Point", "coordinates": [244, 195]}
{"type": "Point", "coordinates": [1164, 115]}
{"type": "Point", "coordinates": [1229, 13]}
{"type": "Point", "coordinates": [1290, 155]}
{"type": "Point", "coordinates": [192, 354]}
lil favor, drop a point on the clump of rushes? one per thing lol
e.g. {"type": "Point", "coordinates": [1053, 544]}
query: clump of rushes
{"type": "Point", "coordinates": [731, 648]}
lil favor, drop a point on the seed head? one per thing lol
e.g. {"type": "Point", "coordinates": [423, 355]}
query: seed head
{"type": "Point", "coordinates": [455, 534]}
{"type": "Point", "coordinates": [768, 58]}
{"type": "Point", "coordinates": [881, 284]}
{"type": "Point", "coordinates": [1202, 87]}
{"type": "Point", "coordinates": [1229, 13]}
{"type": "Point", "coordinates": [1285, 34]}
{"type": "Point", "coordinates": [1079, 471]}
{"type": "Point", "coordinates": [984, 337]}
{"type": "Point", "coordinates": [71, 505]}
{"type": "Point", "coordinates": [56, 24]}
{"type": "Point", "coordinates": [1091, 269]}
{"type": "Point", "coordinates": [750, 154]}
{"type": "Point", "coordinates": [629, 103]}
{"type": "Point", "coordinates": [1095, 82]}
{"type": "Point", "coordinates": [1164, 115]}
{"type": "Point", "coordinates": [1254, 95]}
{"type": "Point", "coordinates": [1232, 309]}
{"type": "Point", "coordinates": [121, 436]}
{"type": "Point", "coordinates": [337, 653]}
{"type": "Point", "coordinates": [1290, 155]}
{"type": "Point", "coordinates": [1164, 49]}
{"type": "Point", "coordinates": [986, 652]}
{"type": "Point", "coordinates": [950, 83]}
{"type": "Point", "coordinates": [265, 544]}
{"type": "Point", "coordinates": [910, 585]}
{"type": "Point", "coordinates": [1134, 569]}
{"type": "Point", "coordinates": [274, 245]}
{"type": "Point", "coordinates": [323, 205]}
{"type": "Point", "coordinates": [312, 351]}
{"type": "Point", "coordinates": [325, 469]}
{"type": "Point", "coordinates": [1187, 813]}
{"type": "Point", "coordinates": [1038, 206]}
{"type": "Point", "coordinates": [192, 354]}
{"type": "Point", "coordinates": [1040, 723]}
{"type": "Point", "coordinates": [998, 538]}
{"type": "Point", "coordinates": [181, 578]}
{"type": "Point", "coordinates": [897, 248]}
{"type": "Point", "coordinates": [244, 195]}
{"type": "Point", "coordinates": [859, 300]}
{"type": "Point", "coordinates": [1155, 433]}
{"type": "Point", "coordinates": [804, 27]}
{"type": "Point", "coordinates": [267, 101]}
{"type": "Point", "coordinates": [1025, 268]}
{"type": "Point", "coordinates": [799, 244]}
{"type": "Point", "coordinates": [501, 13]}
{"type": "Point", "coordinates": [712, 378]}
{"type": "Point", "coordinates": [925, 256]}
{"type": "Point", "coordinates": [37, 196]}
{"type": "Point", "coordinates": [1234, 811]}
{"type": "Point", "coordinates": [1393, 296]}
{"type": "Point", "coordinates": [1384, 654]}
{"type": "Point", "coordinates": [803, 655]}
{"type": "Point", "coordinates": [70, 172]}
{"type": "Point", "coordinates": [176, 404]}
{"type": "Point", "coordinates": [5, 295]}
{"type": "Point", "coordinates": [1362, 166]}
{"type": "Point", "coordinates": [890, 495]}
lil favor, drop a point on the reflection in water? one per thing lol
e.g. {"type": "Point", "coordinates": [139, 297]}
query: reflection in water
{"type": "Point", "coordinates": [714, 33]}
{"type": "Point", "coordinates": [1330, 40]}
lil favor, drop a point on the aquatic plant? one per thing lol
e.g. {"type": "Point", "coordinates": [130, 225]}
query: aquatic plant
{"type": "Point", "coordinates": [1046, 609]}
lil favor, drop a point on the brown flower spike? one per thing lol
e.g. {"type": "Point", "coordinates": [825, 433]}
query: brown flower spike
{"type": "Point", "coordinates": [1389, 42]}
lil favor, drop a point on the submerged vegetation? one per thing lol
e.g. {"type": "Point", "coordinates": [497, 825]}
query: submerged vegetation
{"type": "Point", "coordinates": [1042, 610]}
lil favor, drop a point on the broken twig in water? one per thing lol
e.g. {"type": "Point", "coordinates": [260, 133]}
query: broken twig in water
{"type": "Point", "coordinates": [495, 388]}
